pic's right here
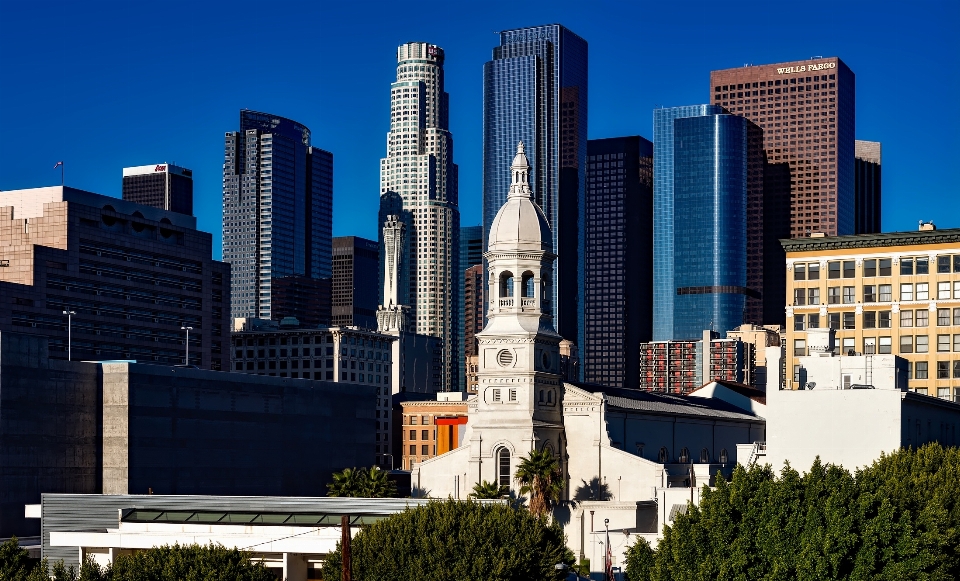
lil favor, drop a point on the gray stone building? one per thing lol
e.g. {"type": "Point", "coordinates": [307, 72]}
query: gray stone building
{"type": "Point", "coordinates": [126, 428]}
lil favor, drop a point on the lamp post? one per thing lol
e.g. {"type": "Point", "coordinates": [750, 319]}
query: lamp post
{"type": "Point", "coordinates": [391, 459]}
{"type": "Point", "coordinates": [69, 315]}
{"type": "Point", "coordinates": [186, 359]}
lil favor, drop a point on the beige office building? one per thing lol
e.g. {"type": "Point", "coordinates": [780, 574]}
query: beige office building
{"type": "Point", "coordinates": [895, 293]}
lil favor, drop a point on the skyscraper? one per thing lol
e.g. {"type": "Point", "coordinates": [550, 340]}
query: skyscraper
{"type": "Point", "coordinates": [473, 292]}
{"type": "Point", "coordinates": [277, 220]}
{"type": "Point", "coordinates": [535, 91]}
{"type": "Point", "coordinates": [619, 289]}
{"type": "Point", "coordinates": [867, 180]}
{"type": "Point", "coordinates": [710, 252]}
{"type": "Point", "coordinates": [664, 289]}
{"type": "Point", "coordinates": [471, 254]}
{"type": "Point", "coordinates": [418, 185]}
{"type": "Point", "coordinates": [355, 298]}
{"type": "Point", "coordinates": [807, 110]}
{"type": "Point", "coordinates": [163, 186]}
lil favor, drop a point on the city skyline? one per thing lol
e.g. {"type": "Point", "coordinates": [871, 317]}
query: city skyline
{"type": "Point", "coordinates": [620, 104]}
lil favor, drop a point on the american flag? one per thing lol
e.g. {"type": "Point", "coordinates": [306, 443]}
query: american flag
{"type": "Point", "coordinates": [608, 561]}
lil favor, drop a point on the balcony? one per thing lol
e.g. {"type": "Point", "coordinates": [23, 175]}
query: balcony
{"type": "Point", "coordinates": [506, 303]}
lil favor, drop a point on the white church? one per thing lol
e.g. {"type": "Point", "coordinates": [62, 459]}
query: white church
{"type": "Point", "coordinates": [629, 457]}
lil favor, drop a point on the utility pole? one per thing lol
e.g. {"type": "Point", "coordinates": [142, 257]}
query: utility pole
{"type": "Point", "coordinates": [346, 570]}
{"type": "Point", "coordinates": [186, 359]}
{"type": "Point", "coordinates": [69, 315]}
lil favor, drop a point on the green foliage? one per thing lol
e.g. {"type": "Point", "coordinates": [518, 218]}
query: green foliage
{"type": "Point", "coordinates": [189, 563]}
{"type": "Point", "coordinates": [362, 482]}
{"type": "Point", "coordinates": [639, 561]}
{"type": "Point", "coordinates": [15, 563]}
{"type": "Point", "coordinates": [456, 541]}
{"type": "Point", "coordinates": [489, 491]}
{"type": "Point", "coordinates": [896, 519]}
{"type": "Point", "coordinates": [540, 476]}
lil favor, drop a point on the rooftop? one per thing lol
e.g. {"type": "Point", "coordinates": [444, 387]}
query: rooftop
{"type": "Point", "coordinates": [913, 238]}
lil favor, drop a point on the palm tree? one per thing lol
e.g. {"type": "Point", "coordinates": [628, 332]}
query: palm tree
{"type": "Point", "coordinates": [489, 490]}
{"type": "Point", "coordinates": [540, 476]}
{"type": "Point", "coordinates": [377, 485]}
{"type": "Point", "coordinates": [363, 483]}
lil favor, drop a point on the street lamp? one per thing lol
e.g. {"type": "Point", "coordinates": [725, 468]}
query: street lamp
{"type": "Point", "coordinates": [186, 359]}
{"type": "Point", "coordinates": [391, 459]}
{"type": "Point", "coordinates": [69, 315]}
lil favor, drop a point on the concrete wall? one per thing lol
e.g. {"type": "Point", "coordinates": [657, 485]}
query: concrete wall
{"type": "Point", "coordinates": [49, 429]}
{"type": "Point", "coordinates": [190, 431]}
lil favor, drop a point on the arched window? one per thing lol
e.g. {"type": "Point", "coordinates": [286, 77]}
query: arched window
{"type": "Point", "coordinates": [506, 285]}
{"type": "Point", "coordinates": [526, 287]}
{"type": "Point", "coordinates": [704, 456]}
{"type": "Point", "coordinates": [662, 457]}
{"type": "Point", "coordinates": [503, 467]}
{"type": "Point", "coordinates": [550, 397]}
{"type": "Point", "coordinates": [723, 456]}
{"type": "Point", "coordinates": [684, 456]}
{"type": "Point", "coordinates": [541, 396]}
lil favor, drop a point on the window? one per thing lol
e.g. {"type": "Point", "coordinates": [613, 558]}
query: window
{"type": "Point", "coordinates": [503, 467]}
{"type": "Point", "coordinates": [704, 456]}
{"type": "Point", "coordinates": [920, 370]}
{"type": "Point", "coordinates": [956, 369]}
{"type": "Point", "coordinates": [923, 266]}
{"type": "Point", "coordinates": [885, 264]}
{"type": "Point", "coordinates": [909, 369]}
{"type": "Point", "coordinates": [956, 263]}
{"type": "Point", "coordinates": [956, 343]}
{"type": "Point", "coordinates": [883, 319]}
{"type": "Point", "coordinates": [869, 345]}
{"type": "Point", "coordinates": [943, 343]}
{"type": "Point", "coordinates": [849, 269]}
{"type": "Point", "coordinates": [512, 395]}
{"type": "Point", "coordinates": [723, 456]}
{"type": "Point", "coordinates": [906, 318]}
{"type": "Point", "coordinates": [943, 290]}
{"type": "Point", "coordinates": [799, 296]}
{"type": "Point", "coordinates": [684, 456]}
{"type": "Point", "coordinates": [424, 434]}
{"type": "Point", "coordinates": [813, 296]}
{"type": "Point", "coordinates": [943, 393]}
{"type": "Point", "coordinates": [798, 321]}
{"type": "Point", "coordinates": [906, 343]}
{"type": "Point", "coordinates": [906, 292]}
{"type": "Point", "coordinates": [922, 318]}
{"type": "Point", "coordinates": [906, 266]}
{"type": "Point", "coordinates": [813, 321]}
{"type": "Point", "coordinates": [922, 344]}
{"type": "Point", "coordinates": [886, 293]}
{"type": "Point", "coordinates": [956, 316]}
{"type": "Point", "coordinates": [413, 449]}
{"type": "Point", "coordinates": [943, 317]}
{"type": "Point", "coordinates": [833, 270]}
{"type": "Point", "coordinates": [848, 346]}
{"type": "Point", "coordinates": [799, 272]}
{"type": "Point", "coordinates": [834, 320]}
{"type": "Point", "coordinates": [413, 420]}
{"type": "Point", "coordinates": [799, 347]}
{"type": "Point", "coordinates": [923, 291]}
{"type": "Point", "coordinates": [869, 293]}
{"type": "Point", "coordinates": [413, 434]}
{"type": "Point", "coordinates": [886, 345]}
{"type": "Point", "coordinates": [870, 267]}
{"type": "Point", "coordinates": [849, 295]}
{"type": "Point", "coordinates": [849, 320]}
{"type": "Point", "coordinates": [833, 295]}
{"type": "Point", "coordinates": [496, 395]}
{"type": "Point", "coordinates": [813, 271]}
{"type": "Point", "coordinates": [663, 456]}
{"type": "Point", "coordinates": [943, 264]}
{"type": "Point", "coordinates": [869, 319]}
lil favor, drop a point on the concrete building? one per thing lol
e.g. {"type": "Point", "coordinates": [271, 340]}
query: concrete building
{"type": "Point", "coordinates": [535, 90]}
{"type": "Point", "coordinates": [618, 304]}
{"type": "Point", "coordinates": [431, 427]}
{"type": "Point", "coordinates": [133, 276]}
{"type": "Point", "coordinates": [756, 339]}
{"type": "Point", "coordinates": [291, 536]}
{"type": "Point", "coordinates": [125, 428]}
{"type": "Point", "coordinates": [867, 186]}
{"type": "Point", "coordinates": [356, 262]}
{"type": "Point", "coordinates": [163, 186]}
{"type": "Point", "coordinates": [621, 451]}
{"type": "Point", "coordinates": [277, 220]}
{"type": "Point", "coordinates": [807, 111]}
{"type": "Point", "coordinates": [850, 410]}
{"type": "Point", "coordinates": [683, 366]}
{"type": "Point", "coordinates": [895, 293]}
{"type": "Point", "coordinates": [473, 322]}
{"type": "Point", "coordinates": [419, 188]}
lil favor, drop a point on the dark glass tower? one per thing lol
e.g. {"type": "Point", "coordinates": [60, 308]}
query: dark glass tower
{"type": "Point", "coordinates": [277, 220]}
{"type": "Point", "coordinates": [163, 186]}
{"type": "Point", "coordinates": [356, 262]}
{"type": "Point", "coordinates": [867, 180]}
{"type": "Point", "coordinates": [471, 254]}
{"type": "Point", "coordinates": [619, 262]}
{"type": "Point", "coordinates": [710, 224]}
{"type": "Point", "coordinates": [535, 91]}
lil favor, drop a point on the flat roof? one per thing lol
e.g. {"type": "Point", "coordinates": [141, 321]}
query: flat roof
{"type": "Point", "coordinates": [881, 240]}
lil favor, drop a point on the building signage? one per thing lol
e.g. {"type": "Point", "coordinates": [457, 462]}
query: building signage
{"type": "Point", "coordinates": [806, 68]}
{"type": "Point", "coordinates": [160, 168]}
{"type": "Point", "coordinates": [526, 36]}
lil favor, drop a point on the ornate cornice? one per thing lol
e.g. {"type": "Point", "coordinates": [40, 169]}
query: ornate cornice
{"type": "Point", "coordinates": [950, 236]}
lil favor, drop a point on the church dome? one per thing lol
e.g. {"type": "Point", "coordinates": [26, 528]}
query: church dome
{"type": "Point", "coordinates": [520, 224]}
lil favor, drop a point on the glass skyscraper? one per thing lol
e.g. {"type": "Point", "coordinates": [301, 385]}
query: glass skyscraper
{"type": "Point", "coordinates": [277, 220]}
{"type": "Point", "coordinates": [535, 91]}
{"type": "Point", "coordinates": [710, 158]}
{"type": "Point", "coordinates": [471, 254]}
{"type": "Point", "coordinates": [664, 289]}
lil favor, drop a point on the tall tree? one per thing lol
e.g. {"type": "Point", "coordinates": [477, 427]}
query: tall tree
{"type": "Point", "coordinates": [539, 475]}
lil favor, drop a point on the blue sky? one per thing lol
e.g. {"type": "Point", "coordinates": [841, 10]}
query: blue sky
{"type": "Point", "coordinates": [103, 85]}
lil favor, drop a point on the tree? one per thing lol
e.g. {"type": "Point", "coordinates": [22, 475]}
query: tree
{"type": "Point", "coordinates": [189, 562]}
{"type": "Point", "coordinates": [362, 482]}
{"type": "Point", "coordinates": [896, 519]}
{"type": "Point", "coordinates": [15, 562]}
{"type": "Point", "coordinates": [539, 475]}
{"type": "Point", "coordinates": [456, 540]}
{"type": "Point", "coordinates": [489, 491]}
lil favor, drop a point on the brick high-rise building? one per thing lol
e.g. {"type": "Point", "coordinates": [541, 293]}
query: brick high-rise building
{"type": "Point", "coordinates": [473, 322]}
{"type": "Point", "coordinates": [807, 110]}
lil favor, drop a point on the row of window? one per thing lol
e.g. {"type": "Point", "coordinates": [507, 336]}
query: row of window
{"type": "Point", "coordinates": [877, 319]}
{"type": "Point", "coordinates": [877, 267]}
{"type": "Point", "coordinates": [882, 293]}
{"type": "Point", "coordinates": [884, 345]}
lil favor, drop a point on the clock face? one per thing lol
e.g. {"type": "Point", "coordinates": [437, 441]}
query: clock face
{"type": "Point", "coordinates": [545, 359]}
